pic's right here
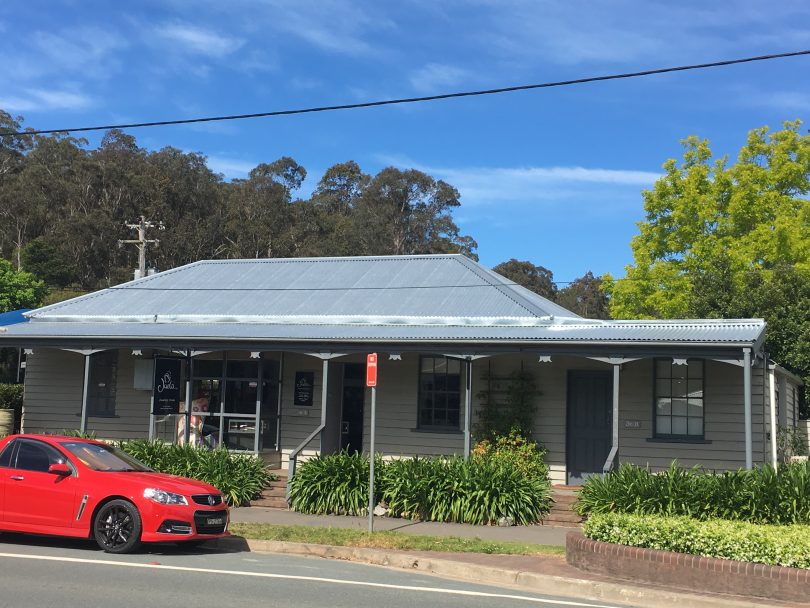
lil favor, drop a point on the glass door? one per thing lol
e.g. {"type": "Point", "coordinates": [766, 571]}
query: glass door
{"type": "Point", "coordinates": [238, 419]}
{"type": "Point", "coordinates": [268, 418]}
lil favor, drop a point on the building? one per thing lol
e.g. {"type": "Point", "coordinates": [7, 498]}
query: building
{"type": "Point", "coordinates": [268, 356]}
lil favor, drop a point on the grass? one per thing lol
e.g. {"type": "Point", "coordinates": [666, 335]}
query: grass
{"type": "Point", "coordinates": [389, 540]}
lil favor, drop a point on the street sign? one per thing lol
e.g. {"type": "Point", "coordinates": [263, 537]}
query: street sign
{"type": "Point", "coordinates": [371, 369]}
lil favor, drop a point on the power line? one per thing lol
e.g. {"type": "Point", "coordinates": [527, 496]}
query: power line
{"type": "Point", "coordinates": [406, 100]}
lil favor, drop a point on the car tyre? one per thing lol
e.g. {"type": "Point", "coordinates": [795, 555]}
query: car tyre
{"type": "Point", "coordinates": [117, 527]}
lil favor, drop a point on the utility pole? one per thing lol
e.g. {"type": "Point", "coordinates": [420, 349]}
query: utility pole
{"type": "Point", "coordinates": [142, 226]}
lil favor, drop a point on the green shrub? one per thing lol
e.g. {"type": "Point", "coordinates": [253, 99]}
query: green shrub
{"type": "Point", "coordinates": [332, 484]}
{"type": "Point", "coordinates": [11, 397]}
{"type": "Point", "coordinates": [480, 490]}
{"type": "Point", "coordinates": [477, 491]}
{"type": "Point", "coordinates": [761, 495]}
{"type": "Point", "coordinates": [240, 477]}
{"type": "Point", "coordinates": [514, 450]}
{"type": "Point", "coordinates": [764, 544]}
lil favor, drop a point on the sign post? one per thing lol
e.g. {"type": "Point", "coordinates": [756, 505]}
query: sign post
{"type": "Point", "coordinates": [371, 380]}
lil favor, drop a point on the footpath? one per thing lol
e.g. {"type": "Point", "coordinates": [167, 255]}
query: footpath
{"type": "Point", "coordinates": [547, 574]}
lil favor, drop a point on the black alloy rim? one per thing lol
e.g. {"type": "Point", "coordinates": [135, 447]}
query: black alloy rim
{"type": "Point", "coordinates": [115, 527]}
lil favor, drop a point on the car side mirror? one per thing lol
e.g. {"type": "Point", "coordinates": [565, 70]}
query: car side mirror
{"type": "Point", "coordinates": [59, 469]}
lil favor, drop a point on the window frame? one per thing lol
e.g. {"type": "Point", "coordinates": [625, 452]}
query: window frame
{"type": "Point", "coordinates": [438, 428]}
{"type": "Point", "coordinates": [678, 437]}
{"type": "Point", "coordinates": [111, 387]}
{"type": "Point", "coordinates": [47, 447]}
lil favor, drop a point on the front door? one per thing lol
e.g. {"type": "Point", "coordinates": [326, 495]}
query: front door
{"type": "Point", "coordinates": [351, 420]}
{"type": "Point", "coordinates": [268, 419]}
{"type": "Point", "coordinates": [589, 418]}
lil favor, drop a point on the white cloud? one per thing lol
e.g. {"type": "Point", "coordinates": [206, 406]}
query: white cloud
{"type": "Point", "coordinates": [37, 100]}
{"type": "Point", "coordinates": [198, 40]}
{"type": "Point", "coordinates": [480, 186]}
{"type": "Point", "coordinates": [437, 76]}
{"type": "Point", "coordinates": [231, 167]}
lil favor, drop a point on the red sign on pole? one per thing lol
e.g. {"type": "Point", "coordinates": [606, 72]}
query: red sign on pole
{"type": "Point", "coordinates": [371, 369]}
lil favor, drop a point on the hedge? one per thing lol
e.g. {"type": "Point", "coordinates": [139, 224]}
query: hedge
{"type": "Point", "coordinates": [761, 495]}
{"type": "Point", "coordinates": [759, 543]}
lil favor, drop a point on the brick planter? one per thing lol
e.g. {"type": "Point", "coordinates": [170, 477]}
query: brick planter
{"type": "Point", "coordinates": [702, 574]}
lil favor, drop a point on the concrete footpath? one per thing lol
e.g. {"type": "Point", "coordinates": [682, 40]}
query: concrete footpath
{"type": "Point", "coordinates": [542, 574]}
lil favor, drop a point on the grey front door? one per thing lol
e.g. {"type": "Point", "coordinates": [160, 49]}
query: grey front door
{"type": "Point", "coordinates": [588, 425]}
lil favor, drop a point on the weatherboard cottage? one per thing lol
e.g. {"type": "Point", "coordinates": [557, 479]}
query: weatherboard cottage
{"type": "Point", "coordinates": [277, 349]}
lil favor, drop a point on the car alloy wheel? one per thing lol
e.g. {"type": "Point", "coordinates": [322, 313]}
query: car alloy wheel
{"type": "Point", "coordinates": [117, 527]}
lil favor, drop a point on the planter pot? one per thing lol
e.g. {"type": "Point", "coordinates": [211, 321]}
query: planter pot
{"type": "Point", "coordinates": [6, 422]}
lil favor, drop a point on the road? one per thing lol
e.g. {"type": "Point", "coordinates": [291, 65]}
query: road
{"type": "Point", "coordinates": [56, 572]}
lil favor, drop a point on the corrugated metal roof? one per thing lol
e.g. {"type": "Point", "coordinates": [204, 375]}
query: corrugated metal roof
{"type": "Point", "coordinates": [438, 298]}
{"type": "Point", "coordinates": [446, 285]}
{"type": "Point", "coordinates": [673, 332]}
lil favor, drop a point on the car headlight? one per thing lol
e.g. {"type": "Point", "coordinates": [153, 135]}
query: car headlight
{"type": "Point", "coordinates": [163, 497]}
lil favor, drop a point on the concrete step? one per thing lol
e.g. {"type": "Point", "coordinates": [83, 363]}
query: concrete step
{"type": "Point", "coordinates": [272, 503]}
{"type": "Point", "coordinates": [569, 517]}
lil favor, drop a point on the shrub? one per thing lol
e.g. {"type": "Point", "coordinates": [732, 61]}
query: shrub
{"type": "Point", "coordinates": [761, 495]}
{"type": "Point", "coordinates": [240, 477]}
{"type": "Point", "coordinates": [477, 491]}
{"type": "Point", "coordinates": [764, 544]}
{"type": "Point", "coordinates": [514, 450]}
{"type": "Point", "coordinates": [490, 485]}
{"type": "Point", "coordinates": [333, 484]}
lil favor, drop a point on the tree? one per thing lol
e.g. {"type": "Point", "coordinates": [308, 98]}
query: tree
{"type": "Point", "coordinates": [18, 289]}
{"type": "Point", "coordinates": [724, 240]}
{"type": "Point", "coordinates": [707, 215]}
{"type": "Point", "coordinates": [585, 297]}
{"type": "Point", "coordinates": [536, 278]}
{"type": "Point", "coordinates": [408, 212]}
{"type": "Point", "coordinates": [42, 258]}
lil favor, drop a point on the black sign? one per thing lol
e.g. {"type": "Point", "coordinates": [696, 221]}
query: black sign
{"type": "Point", "coordinates": [304, 385]}
{"type": "Point", "coordinates": [166, 390]}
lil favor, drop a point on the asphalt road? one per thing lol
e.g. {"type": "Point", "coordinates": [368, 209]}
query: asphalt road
{"type": "Point", "coordinates": [45, 572]}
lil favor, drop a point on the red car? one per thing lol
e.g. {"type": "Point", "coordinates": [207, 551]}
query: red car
{"type": "Point", "coordinates": [66, 486]}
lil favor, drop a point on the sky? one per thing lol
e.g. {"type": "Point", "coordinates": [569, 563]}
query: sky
{"type": "Point", "coordinates": [551, 176]}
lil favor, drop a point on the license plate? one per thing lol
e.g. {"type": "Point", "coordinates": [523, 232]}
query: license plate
{"type": "Point", "coordinates": [214, 521]}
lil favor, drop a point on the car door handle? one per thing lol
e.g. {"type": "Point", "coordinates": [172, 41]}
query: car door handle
{"type": "Point", "coordinates": [17, 477]}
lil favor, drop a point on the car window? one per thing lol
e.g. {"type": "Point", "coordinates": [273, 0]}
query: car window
{"type": "Point", "coordinates": [35, 456]}
{"type": "Point", "coordinates": [5, 457]}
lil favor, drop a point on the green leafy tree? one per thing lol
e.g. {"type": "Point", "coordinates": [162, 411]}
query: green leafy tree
{"type": "Point", "coordinates": [729, 240]}
{"type": "Point", "coordinates": [536, 278]}
{"type": "Point", "coordinates": [707, 216]}
{"type": "Point", "coordinates": [585, 297]}
{"type": "Point", "coordinates": [18, 289]}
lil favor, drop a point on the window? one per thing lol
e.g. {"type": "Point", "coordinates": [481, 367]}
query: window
{"type": "Point", "coordinates": [5, 457]}
{"type": "Point", "coordinates": [36, 456]}
{"type": "Point", "coordinates": [679, 399]}
{"type": "Point", "coordinates": [439, 393]}
{"type": "Point", "coordinates": [102, 383]}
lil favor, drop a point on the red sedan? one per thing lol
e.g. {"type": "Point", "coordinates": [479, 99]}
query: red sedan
{"type": "Point", "coordinates": [66, 486]}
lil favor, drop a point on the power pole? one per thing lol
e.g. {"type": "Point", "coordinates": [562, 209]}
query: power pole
{"type": "Point", "coordinates": [142, 226]}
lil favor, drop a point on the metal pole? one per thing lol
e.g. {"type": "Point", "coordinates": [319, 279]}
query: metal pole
{"type": "Point", "coordinates": [749, 440]}
{"type": "Point", "coordinates": [614, 450]}
{"type": "Point", "coordinates": [19, 363]}
{"type": "Point", "coordinates": [467, 407]}
{"type": "Point", "coordinates": [372, 433]}
{"type": "Point", "coordinates": [259, 394]}
{"type": "Point", "coordinates": [324, 385]}
{"type": "Point", "coordinates": [85, 390]}
{"type": "Point", "coordinates": [774, 427]}
{"type": "Point", "coordinates": [189, 372]}
{"type": "Point", "coordinates": [278, 404]}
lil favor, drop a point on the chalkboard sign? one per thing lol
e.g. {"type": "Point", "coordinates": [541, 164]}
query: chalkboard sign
{"type": "Point", "coordinates": [166, 391]}
{"type": "Point", "coordinates": [304, 387]}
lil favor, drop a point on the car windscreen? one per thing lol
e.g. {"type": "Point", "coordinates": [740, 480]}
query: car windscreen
{"type": "Point", "coordinates": [103, 457]}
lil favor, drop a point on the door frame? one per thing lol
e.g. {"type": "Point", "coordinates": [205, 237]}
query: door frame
{"type": "Point", "coordinates": [568, 382]}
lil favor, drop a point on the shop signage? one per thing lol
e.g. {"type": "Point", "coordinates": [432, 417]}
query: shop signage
{"type": "Point", "coordinates": [371, 369]}
{"type": "Point", "coordinates": [166, 390]}
{"type": "Point", "coordinates": [304, 387]}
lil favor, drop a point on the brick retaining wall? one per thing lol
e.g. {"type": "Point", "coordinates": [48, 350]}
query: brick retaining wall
{"type": "Point", "coordinates": [688, 571]}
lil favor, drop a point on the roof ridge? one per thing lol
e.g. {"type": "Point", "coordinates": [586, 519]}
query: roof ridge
{"type": "Point", "coordinates": [497, 281]}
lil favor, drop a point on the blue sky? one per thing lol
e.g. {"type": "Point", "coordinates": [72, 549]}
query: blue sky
{"type": "Point", "coordinates": [550, 176]}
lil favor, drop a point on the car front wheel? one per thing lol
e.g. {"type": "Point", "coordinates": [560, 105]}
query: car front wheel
{"type": "Point", "coordinates": [117, 527]}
